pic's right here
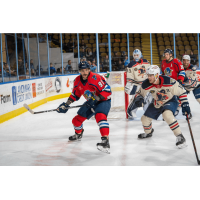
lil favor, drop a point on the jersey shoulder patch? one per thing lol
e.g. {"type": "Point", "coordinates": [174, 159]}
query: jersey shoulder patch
{"type": "Point", "coordinates": [192, 68]}
{"type": "Point", "coordinates": [146, 84]}
{"type": "Point", "coordinates": [131, 64]}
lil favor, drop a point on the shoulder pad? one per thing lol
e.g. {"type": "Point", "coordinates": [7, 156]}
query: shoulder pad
{"type": "Point", "coordinates": [192, 68]}
{"type": "Point", "coordinates": [131, 64]}
{"type": "Point", "coordinates": [145, 60]}
{"type": "Point", "coordinates": [146, 84]}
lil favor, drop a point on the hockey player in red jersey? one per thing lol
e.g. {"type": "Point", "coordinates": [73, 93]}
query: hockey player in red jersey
{"type": "Point", "coordinates": [172, 67]}
{"type": "Point", "coordinates": [164, 91]}
{"type": "Point", "coordinates": [97, 93]}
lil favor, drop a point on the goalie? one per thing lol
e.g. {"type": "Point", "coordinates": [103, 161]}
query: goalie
{"type": "Point", "coordinates": [136, 74]}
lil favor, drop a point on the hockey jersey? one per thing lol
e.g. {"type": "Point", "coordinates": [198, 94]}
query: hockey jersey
{"type": "Point", "coordinates": [173, 69]}
{"type": "Point", "coordinates": [136, 71]}
{"type": "Point", "coordinates": [163, 92]}
{"type": "Point", "coordinates": [95, 83]}
{"type": "Point", "coordinates": [190, 80]}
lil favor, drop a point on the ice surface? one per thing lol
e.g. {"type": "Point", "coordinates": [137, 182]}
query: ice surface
{"type": "Point", "coordinates": [42, 140]}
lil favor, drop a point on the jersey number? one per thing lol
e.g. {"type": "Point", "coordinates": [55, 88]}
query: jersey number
{"type": "Point", "coordinates": [100, 83]}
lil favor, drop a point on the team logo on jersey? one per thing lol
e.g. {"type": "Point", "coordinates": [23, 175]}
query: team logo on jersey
{"type": "Point", "coordinates": [168, 71]}
{"type": "Point", "coordinates": [135, 69]}
{"type": "Point", "coordinates": [94, 77]}
{"type": "Point", "coordinates": [142, 71]}
{"type": "Point", "coordinates": [161, 96]}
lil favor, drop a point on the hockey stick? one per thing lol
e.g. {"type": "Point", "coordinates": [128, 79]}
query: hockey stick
{"type": "Point", "coordinates": [32, 112]}
{"type": "Point", "coordinates": [195, 150]}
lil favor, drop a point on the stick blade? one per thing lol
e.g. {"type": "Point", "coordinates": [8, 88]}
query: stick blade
{"type": "Point", "coordinates": [27, 107]}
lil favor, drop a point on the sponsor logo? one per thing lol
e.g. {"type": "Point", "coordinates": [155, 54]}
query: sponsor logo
{"type": "Point", "coordinates": [21, 93]}
{"type": "Point", "coordinates": [48, 84]}
{"type": "Point", "coordinates": [116, 78]}
{"type": "Point", "coordinates": [34, 90]}
{"type": "Point", "coordinates": [57, 84]}
{"type": "Point", "coordinates": [5, 99]}
{"type": "Point", "coordinates": [39, 89]}
{"type": "Point", "coordinates": [67, 84]}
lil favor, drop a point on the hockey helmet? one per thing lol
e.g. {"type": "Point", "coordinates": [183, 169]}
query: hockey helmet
{"type": "Point", "coordinates": [168, 51]}
{"type": "Point", "coordinates": [153, 69]}
{"type": "Point", "coordinates": [186, 57]}
{"type": "Point", "coordinates": [83, 65]}
{"type": "Point", "coordinates": [137, 52]}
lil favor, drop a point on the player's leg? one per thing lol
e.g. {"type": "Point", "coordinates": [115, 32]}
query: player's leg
{"type": "Point", "coordinates": [168, 111]}
{"type": "Point", "coordinates": [83, 114]}
{"type": "Point", "coordinates": [101, 113]}
{"type": "Point", "coordinates": [150, 114]}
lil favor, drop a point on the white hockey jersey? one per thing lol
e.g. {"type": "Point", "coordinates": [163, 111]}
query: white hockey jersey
{"type": "Point", "coordinates": [190, 80]}
{"type": "Point", "coordinates": [164, 92]}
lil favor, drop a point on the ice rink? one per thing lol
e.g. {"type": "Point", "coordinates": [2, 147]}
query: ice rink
{"type": "Point", "coordinates": [42, 140]}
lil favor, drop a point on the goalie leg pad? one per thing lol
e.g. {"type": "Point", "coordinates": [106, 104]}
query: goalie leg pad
{"type": "Point", "coordinates": [77, 121]}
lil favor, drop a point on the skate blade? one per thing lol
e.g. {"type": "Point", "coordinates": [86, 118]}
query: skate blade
{"type": "Point", "coordinates": [78, 140]}
{"type": "Point", "coordinates": [181, 146]}
{"type": "Point", "coordinates": [105, 150]}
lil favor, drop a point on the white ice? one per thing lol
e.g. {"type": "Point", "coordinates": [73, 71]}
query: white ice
{"type": "Point", "coordinates": [42, 139]}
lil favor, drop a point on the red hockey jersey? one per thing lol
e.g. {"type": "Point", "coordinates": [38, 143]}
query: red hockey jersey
{"type": "Point", "coordinates": [173, 69]}
{"type": "Point", "coordinates": [95, 83]}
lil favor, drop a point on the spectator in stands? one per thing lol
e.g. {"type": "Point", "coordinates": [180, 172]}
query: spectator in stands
{"type": "Point", "coordinates": [41, 70]}
{"type": "Point", "coordinates": [126, 61]}
{"type": "Point", "coordinates": [89, 55]}
{"type": "Point", "coordinates": [197, 65]}
{"type": "Point", "coordinates": [123, 56]}
{"type": "Point", "coordinates": [82, 44]}
{"type": "Point", "coordinates": [105, 64]}
{"type": "Point", "coordinates": [20, 66]}
{"type": "Point", "coordinates": [42, 38]}
{"type": "Point", "coordinates": [6, 72]}
{"type": "Point", "coordinates": [93, 67]}
{"type": "Point", "coordinates": [52, 69]}
{"type": "Point", "coordinates": [115, 59]}
{"type": "Point", "coordinates": [120, 66]}
{"type": "Point", "coordinates": [32, 67]}
{"type": "Point", "coordinates": [59, 70]}
{"type": "Point", "coordinates": [84, 58]}
{"type": "Point", "coordinates": [193, 58]}
{"type": "Point", "coordinates": [89, 63]}
{"type": "Point", "coordinates": [70, 46]}
{"type": "Point", "coordinates": [68, 67]}
{"type": "Point", "coordinates": [82, 52]}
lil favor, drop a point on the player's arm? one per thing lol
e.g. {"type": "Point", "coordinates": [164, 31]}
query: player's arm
{"type": "Point", "coordinates": [180, 70]}
{"type": "Point", "coordinates": [179, 91]}
{"type": "Point", "coordinates": [75, 96]}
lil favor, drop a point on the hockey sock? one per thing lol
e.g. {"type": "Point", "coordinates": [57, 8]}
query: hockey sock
{"type": "Point", "coordinates": [147, 124]}
{"type": "Point", "coordinates": [77, 121]}
{"type": "Point", "coordinates": [101, 120]}
{"type": "Point", "coordinates": [171, 121]}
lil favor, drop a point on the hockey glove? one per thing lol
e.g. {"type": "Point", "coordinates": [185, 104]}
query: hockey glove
{"type": "Point", "coordinates": [62, 108]}
{"type": "Point", "coordinates": [185, 108]}
{"type": "Point", "coordinates": [139, 102]}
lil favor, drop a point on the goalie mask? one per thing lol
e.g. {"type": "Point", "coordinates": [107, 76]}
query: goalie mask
{"type": "Point", "coordinates": [137, 54]}
{"type": "Point", "coordinates": [155, 70]}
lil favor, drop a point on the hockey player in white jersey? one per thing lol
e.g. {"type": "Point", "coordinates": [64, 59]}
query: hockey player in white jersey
{"type": "Point", "coordinates": [190, 81]}
{"type": "Point", "coordinates": [164, 91]}
{"type": "Point", "coordinates": [136, 74]}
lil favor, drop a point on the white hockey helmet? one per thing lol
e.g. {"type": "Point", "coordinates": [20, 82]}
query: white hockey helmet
{"type": "Point", "coordinates": [155, 70]}
{"type": "Point", "coordinates": [186, 57]}
{"type": "Point", "coordinates": [137, 52]}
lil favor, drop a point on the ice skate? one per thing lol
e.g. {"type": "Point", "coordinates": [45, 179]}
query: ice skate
{"type": "Point", "coordinates": [104, 146]}
{"type": "Point", "coordinates": [180, 141]}
{"type": "Point", "coordinates": [76, 137]}
{"type": "Point", "coordinates": [145, 135]}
